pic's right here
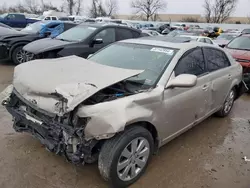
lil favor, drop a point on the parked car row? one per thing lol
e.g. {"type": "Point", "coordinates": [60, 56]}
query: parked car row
{"type": "Point", "coordinates": [12, 41]}
{"type": "Point", "coordinates": [119, 105]}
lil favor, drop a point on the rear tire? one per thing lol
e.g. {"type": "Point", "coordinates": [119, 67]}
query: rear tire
{"type": "Point", "coordinates": [228, 104]}
{"type": "Point", "coordinates": [124, 158]}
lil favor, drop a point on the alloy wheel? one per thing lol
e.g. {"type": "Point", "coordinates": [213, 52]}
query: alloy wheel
{"type": "Point", "coordinates": [24, 56]}
{"type": "Point", "coordinates": [133, 159]}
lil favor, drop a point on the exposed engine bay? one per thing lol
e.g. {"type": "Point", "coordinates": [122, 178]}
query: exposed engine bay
{"type": "Point", "coordinates": [64, 135]}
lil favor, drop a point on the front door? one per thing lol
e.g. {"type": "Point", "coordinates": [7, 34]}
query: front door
{"type": "Point", "coordinates": [107, 35]}
{"type": "Point", "coordinates": [185, 106]}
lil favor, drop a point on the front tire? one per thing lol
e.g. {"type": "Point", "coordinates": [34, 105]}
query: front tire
{"type": "Point", "coordinates": [124, 158]}
{"type": "Point", "coordinates": [19, 56]}
{"type": "Point", "coordinates": [228, 104]}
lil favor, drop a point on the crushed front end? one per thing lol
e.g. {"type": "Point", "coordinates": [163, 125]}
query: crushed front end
{"type": "Point", "coordinates": [60, 135]}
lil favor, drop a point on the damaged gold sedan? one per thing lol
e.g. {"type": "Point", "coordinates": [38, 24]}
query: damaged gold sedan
{"type": "Point", "coordinates": [124, 102]}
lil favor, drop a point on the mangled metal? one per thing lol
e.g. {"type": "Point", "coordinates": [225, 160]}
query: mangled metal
{"type": "Point", "coordinates": [63, 111]}
{"type": "Point", "coordinates": [58, 86]}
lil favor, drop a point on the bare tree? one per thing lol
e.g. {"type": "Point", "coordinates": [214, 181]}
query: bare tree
{"type": "Point", "coordinates": [93, 12]}
{"type": "Point", "coordinates": [111, 7]}
{"type": "Point", "coordinates": [47, 6]}
{"type": "Point", "coordinates": [78, 7]}
{"type": "Point", "coordinates": [220, 10]}
{"type": "Point", "coordinates": [98, 9]}
{"type": "Point", "coordinates": [208, 11]}
{"type": "Point", "coordinates": [70, 5]}
{"type": "Point", "coordinates": [148, 8]}
{"type": "Point", "coordinates": [32, 6]}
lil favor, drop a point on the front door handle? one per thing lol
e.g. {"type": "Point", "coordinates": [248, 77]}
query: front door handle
{"type": "Point", "coordinates": [205, 87]}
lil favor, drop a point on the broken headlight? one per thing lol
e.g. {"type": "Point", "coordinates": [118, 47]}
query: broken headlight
{"type": "Point", "coordinates": [79, 122]}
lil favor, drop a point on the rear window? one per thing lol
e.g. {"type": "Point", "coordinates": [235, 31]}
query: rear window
{"type": "Point", "coordinates": [241, 43]}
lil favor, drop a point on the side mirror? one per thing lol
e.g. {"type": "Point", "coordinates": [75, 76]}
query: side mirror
{"type": "Point", "coordinates": [97, 41]}
{"type": "Point", "coordinates": [183, 80]}
{"type": "Point", "coordinates": [89, 56]}
{"type": "Point", "coordinates": [223, 45]}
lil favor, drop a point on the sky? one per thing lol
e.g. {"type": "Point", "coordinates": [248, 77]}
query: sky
{"type": "Point", "coordinates": [173, 6]}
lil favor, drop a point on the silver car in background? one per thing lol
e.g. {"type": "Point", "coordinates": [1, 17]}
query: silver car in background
{"type": "Point", "coordinates": [124, 102]}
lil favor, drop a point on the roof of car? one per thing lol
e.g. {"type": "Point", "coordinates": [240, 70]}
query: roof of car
{"type": "Point", "coordinates": [163, 41]}
{"type": "Point", "coordinates": [245, 35]}
{"type": "Point", "coordinates": [106, 24]}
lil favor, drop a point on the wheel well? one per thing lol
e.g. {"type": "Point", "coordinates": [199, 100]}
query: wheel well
{"type": "Point", "coordinates": [16, 46]}
{"type": "Point", "coordinates": [236, 88]}
{"type": "Point", "coordinates": [151, 128]}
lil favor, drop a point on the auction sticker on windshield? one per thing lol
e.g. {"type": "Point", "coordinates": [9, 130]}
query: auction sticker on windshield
{"type": "Point", "coordinates": [163, 50]}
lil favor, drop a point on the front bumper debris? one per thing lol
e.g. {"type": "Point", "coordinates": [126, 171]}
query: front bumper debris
{"type": "Point", "coordinates": [56, 135]}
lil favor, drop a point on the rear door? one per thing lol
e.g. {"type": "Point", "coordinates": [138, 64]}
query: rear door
{"type": "Point", "coordinates": [123, 34]}
{"type": "Point", "coordinates": [185, 106]}
{"type": "Point", "coordinates": [20, 20]}
{"type": "Point", "coordinates": [221, 73]}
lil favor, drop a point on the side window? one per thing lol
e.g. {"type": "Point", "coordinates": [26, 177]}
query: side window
{"type": "Point", "coordinates": [202, 40]}
{"type": "Point", "coordinates": [191, 63]}
{"type": "Point", "coordinates": [19, 17]}
{"type": "Point", "coordinates": [54, 18]}
{"type": "Point", "coordinates": [123, 34]}
{"type": "Point", "coordinates": [47, 18]}
{"type": "Point", "coordinates": [208, 41]}
{"type": "Point", "coordinates": [107, 35]}
{"type": "Point", "coordinates": [216, 59]}
{"type": "Point", "coordinates": [11, 17]}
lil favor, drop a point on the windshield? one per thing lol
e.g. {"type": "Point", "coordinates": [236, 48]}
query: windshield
{"type": "Point", "coordinates": [152, 59]}
{"type": "Point", "coordinates": [33, 28]}
{"type": "Point", "coordinates": [225, 37]}
{"type": "Point", "coordinates": [241, 43]}
{"type": "Point", "coordinates": [77, 34]}
{"type": "Point", "coordinates": [41, 17]}
{"type": "Point", "coordinates": [3, 15]}
{"type": "Point", "coordinates": [174, 33]}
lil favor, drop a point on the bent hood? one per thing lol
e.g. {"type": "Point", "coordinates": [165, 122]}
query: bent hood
{"type": "Point", "coordinates": [45, 45]}
{"type": "Point", "coordinates": [6, 32]}
{"type": "Point", "coordinates": [59, 85]}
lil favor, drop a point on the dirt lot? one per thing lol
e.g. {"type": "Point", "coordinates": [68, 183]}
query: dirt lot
{"type": "Point", "coordinates": [209, 155]}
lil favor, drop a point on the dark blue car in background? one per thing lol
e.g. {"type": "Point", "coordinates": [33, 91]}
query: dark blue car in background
{"type": "Point", "coordinates": [15, 20]}
{"type": "Point", "coordinates": [11, 43]}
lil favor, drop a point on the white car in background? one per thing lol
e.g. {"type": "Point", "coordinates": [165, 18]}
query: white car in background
{"type": "Point", "coordinates": [150, 33]}
{"type": "Point", "coordinates": [203, 39]}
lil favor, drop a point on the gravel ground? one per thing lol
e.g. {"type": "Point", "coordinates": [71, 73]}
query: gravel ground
{"type": "Point", "coordinates": [209, 155]}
